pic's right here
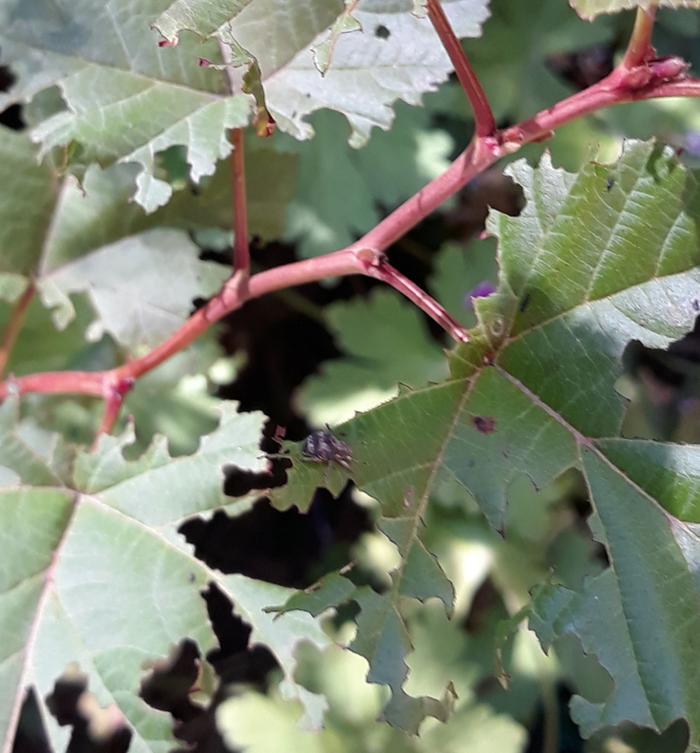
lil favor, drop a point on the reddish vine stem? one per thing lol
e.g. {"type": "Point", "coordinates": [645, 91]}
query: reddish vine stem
{"type": "Point", "coordinates": [239, 201]}
{"type": "Point", "coordinates": [639, 48]}
{"type": "Point", "coordinates": [653, 79]}
{"type": "Point", "coordinates": [115, 392]}
{"type": "Point", "coordinates": [388, 274]}
{"type": "Point", "coordinates": [14, 326]}
{"type": "Point", "coordinates": [113, 385]}
{"type": "Point", "coordinates": [483, 116]}
{"type": "Point", "coordinates": [241, 251]}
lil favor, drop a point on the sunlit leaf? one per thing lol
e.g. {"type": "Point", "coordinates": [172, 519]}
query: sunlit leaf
{"type": "Point", "coordinates": [140, 279]}
{"type": "Point", "coordinates": [595, 260]}
{"type": "Point", "coordinates": [591, 8]}
{"type": "Point", "coordinates": [84, 555]}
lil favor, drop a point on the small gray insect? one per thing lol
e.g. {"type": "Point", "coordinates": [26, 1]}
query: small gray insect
{"type": "Point", "coordinates": [324, 447]}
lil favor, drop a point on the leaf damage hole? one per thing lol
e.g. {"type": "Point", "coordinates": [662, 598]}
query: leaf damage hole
{"type": "Point", "coordinates": [381, 32]}
{"type": "Point", "coordinates": [171, 685]}
{"type": "Point", "coordinates": [95, 727]}
{"type": "Point", "coordinates": [286, 548]}
{"type": "Point", "coordinates": [484, 424]}
{"type": "Point", "coordinates": [235, 661]}
{"type": "Point", "coordinates": [31, 735]}
{"type": "Point", "coordinates": [665, 383]}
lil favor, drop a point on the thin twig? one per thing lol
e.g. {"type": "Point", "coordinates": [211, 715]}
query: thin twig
{"type": "Point", "coordinates": [485, 123]}
{"type": "Point", "coordinates": [241, 251]}
{"type": "Point", "coordinates": [115, 392]}
{"type": "Point", "coordinates": [639, 49]}
{"type": "Point", "coordinates": [391, 276]}
{"type": "Point", "coordinates": [14, 326]}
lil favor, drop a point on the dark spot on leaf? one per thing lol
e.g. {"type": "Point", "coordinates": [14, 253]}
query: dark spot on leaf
{"type": "Point", "coordinates": [610, 183]}
{"type": "Point", "coordinates": [485, 424]}
{"type": "Point", "coordinates": [524, 303]}
{"type": "Point", "coordinates": [696, 304]}
{"type": "Point", "coordinates": [382, 32]}
{"type": "Point", "coordinates": [191, 578]}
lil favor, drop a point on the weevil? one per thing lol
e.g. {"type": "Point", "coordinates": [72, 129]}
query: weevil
{"type": "Point", "coordinates": [323, 446]}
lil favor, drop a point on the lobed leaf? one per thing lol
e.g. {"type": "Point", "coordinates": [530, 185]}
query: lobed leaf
{"type": "Point", "coordinates": [591, 8]}
{"type": "Point", "coordinates": [83, 558]}
{"type": "Point", "coordinates": [395, 56]}
{"type": "Point", "coordinates": [91, 240]}
{"type": "Point", "coordinates": [127, 101]}
{"type": "Point", "coordinates": [595, 260]}
{"type": "Point", "coordinates": [390, 168]}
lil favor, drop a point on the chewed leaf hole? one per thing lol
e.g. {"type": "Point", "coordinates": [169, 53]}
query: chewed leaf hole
{"type": "Point", "coordinates": [95, 727]}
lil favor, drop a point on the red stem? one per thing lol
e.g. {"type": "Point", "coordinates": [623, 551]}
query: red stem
{"type": "Point", "coordinates": [484, 152]}
{"type": "Point", "coordinates": [388, 274]}
{"type": "Point", "coordinates": [14, 326]}
{"type": "Point", "coordinates": [241, 251]}
{"type": "Point", "coordinates": [483, 117]}
{"type": "Point", "coordinates": [365, 257]}
{"type": "Point", "coordinates": [116, 390]}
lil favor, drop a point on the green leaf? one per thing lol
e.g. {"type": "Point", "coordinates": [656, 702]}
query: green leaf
{"type": "Point", "coordinates": [91, 240]}
{"type": "Point", "coordinates": [382, 636]}
{"type": "Point", "coordinates": [594, 260]}
{"type": "Point", "coordinates": [640, 617]}
{"type": "Point", "coordinates": [385, 342]}
{"type": "Point", "coordinates": [84, 558]}
{"type": "Point", "coordinates": [392, 167]}
{"type": "Point", "coordinates": [591, 8]}
{"type": "Point", "coordinates": [127, 100]}
{"type": "Point", "coordinates": [25, 211]}
{"type": "Point", "coordinates": [395, 56]}
{"type": "Point", "coordinates": [159, 272]}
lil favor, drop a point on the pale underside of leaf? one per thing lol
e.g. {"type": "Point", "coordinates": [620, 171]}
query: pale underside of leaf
{"type": "Point", "coordinates": [589, 9]}
{"type": "Point", "coordinates": [395, 56]}
{"type": "Point", "coordinates": [95, 558]}
{"type": "Point", "coordinates": [89, 240]}
{"type": "Point", "coordinates": [158, 272]}
{"type": "Point", "coordinates": [127, 100]}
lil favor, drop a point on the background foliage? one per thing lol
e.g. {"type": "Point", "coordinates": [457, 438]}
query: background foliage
{"type": "Point", "coordinates": [527, 492]}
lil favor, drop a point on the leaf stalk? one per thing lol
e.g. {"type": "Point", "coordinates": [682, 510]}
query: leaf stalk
{"type": "Point", "coordinates": [483, 116]}
{"type": "Point", "coordinates": [14, 326]}
{"type": "Point", "coordinates": [639, 49]}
